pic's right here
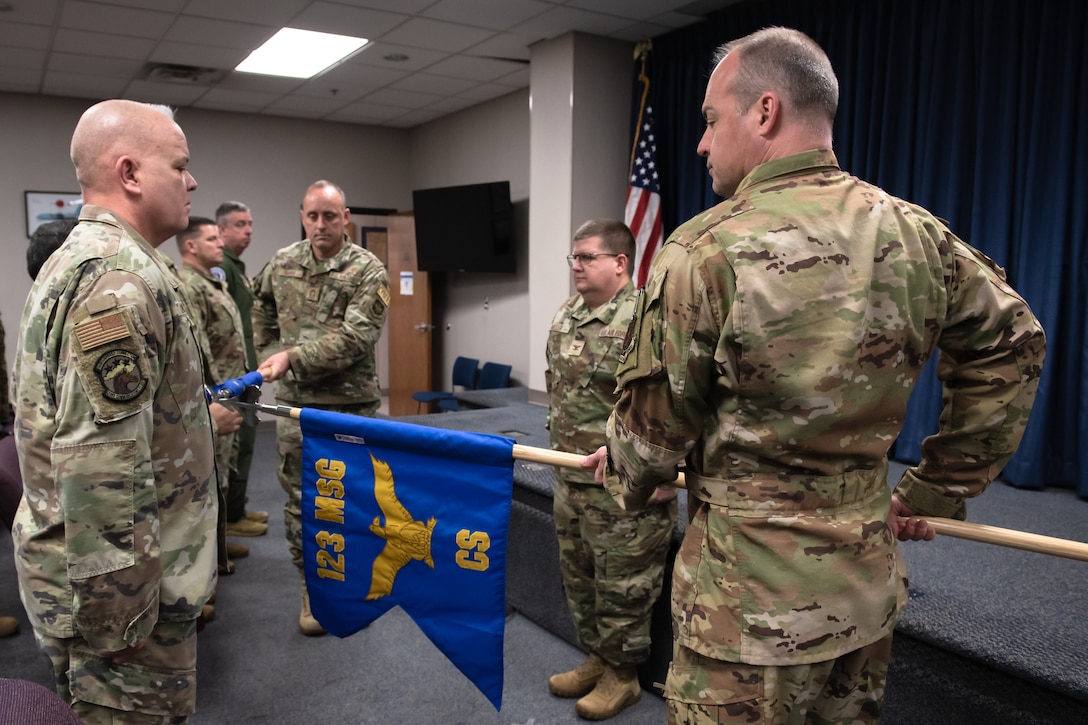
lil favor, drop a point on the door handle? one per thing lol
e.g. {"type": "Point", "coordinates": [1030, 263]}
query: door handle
{"type": "Point", "coordinates": [423, 327]}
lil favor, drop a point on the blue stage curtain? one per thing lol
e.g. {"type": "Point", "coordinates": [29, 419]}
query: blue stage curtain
{"type": "Point", "coordinates": [977, 111]}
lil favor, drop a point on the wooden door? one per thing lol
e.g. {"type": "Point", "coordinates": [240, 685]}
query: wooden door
{"type": "Point", "coordinates": [409, 318]}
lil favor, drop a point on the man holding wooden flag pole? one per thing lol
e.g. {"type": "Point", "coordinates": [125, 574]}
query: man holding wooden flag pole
{"type": "Point", "coordinates": [772, 356]}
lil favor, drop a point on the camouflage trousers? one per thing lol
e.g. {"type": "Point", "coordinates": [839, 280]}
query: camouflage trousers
{"type": "Point", "coordinates": [158, 685]}
{"type": "Point", "coordinates": [613, 564]}
{"type": "Point", "coordinates": [848, 690]}
{"type": "Point", "coordinates": [289, 471]}
{"type": "Point", "coordinates": [240, 461]}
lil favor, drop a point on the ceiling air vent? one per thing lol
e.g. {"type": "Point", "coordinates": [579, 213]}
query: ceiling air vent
{"type": "Point", "coordinates": [189, 75]}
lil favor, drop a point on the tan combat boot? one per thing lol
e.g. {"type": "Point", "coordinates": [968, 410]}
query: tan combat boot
{"type": "Point", "coordinates": [306, 622]}
{"type": "Point", "coordinates": [616, 690]}
{"type": "Point", "coordinates": [8, 626]}
{"type": "Point", "coordinates": [578, 681]}
{"type": "Point", "coordinates": [261, 517]}
{"type": "Point", "coordinates": [246, 527]}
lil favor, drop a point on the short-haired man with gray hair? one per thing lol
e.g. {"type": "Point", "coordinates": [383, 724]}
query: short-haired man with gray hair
{"type": "Point", "coordinates": [773, 354]}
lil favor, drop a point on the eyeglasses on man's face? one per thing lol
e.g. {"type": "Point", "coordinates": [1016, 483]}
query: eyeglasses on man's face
{"type": "Point", "coordinates": [586, 257]}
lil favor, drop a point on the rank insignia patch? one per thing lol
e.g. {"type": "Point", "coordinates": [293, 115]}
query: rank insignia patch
{"type": "Point", "coordinates": [120, 375]}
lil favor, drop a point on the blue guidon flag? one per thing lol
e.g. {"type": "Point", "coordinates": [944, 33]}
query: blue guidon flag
{"type": "Point", "coordinates": [399, 514]}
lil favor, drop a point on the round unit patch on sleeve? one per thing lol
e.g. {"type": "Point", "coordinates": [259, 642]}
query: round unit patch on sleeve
{"type": "Point", "coordinates": [119, 373]}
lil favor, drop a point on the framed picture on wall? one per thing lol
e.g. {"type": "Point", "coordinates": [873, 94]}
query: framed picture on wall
{"type": "Point", "coordinates": [47, 206]}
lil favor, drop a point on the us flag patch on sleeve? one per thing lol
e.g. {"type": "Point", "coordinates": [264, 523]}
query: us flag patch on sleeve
{"type": "Point", "coordinates": [98, 331]}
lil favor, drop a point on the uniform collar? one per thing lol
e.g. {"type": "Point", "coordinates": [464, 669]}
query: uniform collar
{"type": "Point", "coordinates": [804, 161]}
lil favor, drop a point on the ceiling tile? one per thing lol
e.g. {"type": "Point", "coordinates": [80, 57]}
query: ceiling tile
{"type": "Point", "coordinates": [408, 7]}
{"type": "Point", "coordinates": [40, 12]}
{"type": "Point", "coordinates": [220, 33]}
{"type": "Point", "coordinates": [115, 20]}
{"type": "Point", "coordinates": [454, 103]}
{"type": "Point", "coordinates": [363, 112]}
{"type": "Point", "coordinates": [479, 69]}
{"type": "Point", "coordinates": [82, 86]}
{"type": "Point", "coordinates": [19, 35]}
{"type": "Point", "coordinates": [257, 82]}
{"type": "Point", "coordinates": [22, 58]}
{"type": "Point", "coordinates": [305, 106]}
{"type": "Point", "coordinates": [418, 58]}
{"type": "Point", "coordinates": [171, 93]}
{"type": "Point", "coordinates": [558, 21]}
{"type": "Point", "coordinates": [356, 22]}
{"type": "Point", "coordinates": [456, 53]}
{"type": "Point", "coordinates": [123, 68]}
{"type": "Point", "coordinates": [494, 14]}
{"type": "Point", "coordinates": [201, 56]}
{"type": "Point", "coordinates": [487, 91]}
{"type": "Point", "coordinates": [435, 34]}
{"type": "Point", "coordinates": [272, 12]}
{"type": "Point", "coordinates": [504, 45]}
{"type": "Point", "coordinates": [634, 9]}
{"type": "Point", "coordinates": [413, 118]}
{"type": "Point", "coordinates": [350, 82]}
{"type": "Point", "coordinates": [640, 31]}
{"type": "Point", "coordinates": [401, 99]}
{"type": "Point", "coordinates": [103, 44]}
{"type": "Point", "coordinates": [233, 99]}
{"type": "Point", "coordinates": [169, 6]}
{"type": "Point", "coordinates": [19, 80]}
{"type": "Point", "coordinates": [436, 85]}
{"type": "Point", "coordinates": [517, 79]}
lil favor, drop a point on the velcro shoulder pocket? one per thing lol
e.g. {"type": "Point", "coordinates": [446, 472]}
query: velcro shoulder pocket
{"type": "Point", "coordinates": [642, 354]}
{"type": "Point", "coordinates": [113, 364]}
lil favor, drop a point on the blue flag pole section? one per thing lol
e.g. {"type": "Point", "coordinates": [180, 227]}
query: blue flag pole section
{"type": "Point", "coordinates": [401, 514]}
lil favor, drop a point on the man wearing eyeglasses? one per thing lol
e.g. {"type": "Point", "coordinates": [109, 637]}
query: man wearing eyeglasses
{"type": "Point", "coordinates": [612, 561]}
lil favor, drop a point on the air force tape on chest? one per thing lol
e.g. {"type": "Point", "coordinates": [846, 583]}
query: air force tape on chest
{"type": "Point", "coordinates": [111, 359]}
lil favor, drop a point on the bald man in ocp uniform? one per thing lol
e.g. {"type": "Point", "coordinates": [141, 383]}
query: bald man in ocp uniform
{"type": "Point", "coordinates": [115, 534]}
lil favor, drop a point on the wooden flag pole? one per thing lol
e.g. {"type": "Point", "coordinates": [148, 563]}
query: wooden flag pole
{"type": "Point", "coordinates": [948, 527]}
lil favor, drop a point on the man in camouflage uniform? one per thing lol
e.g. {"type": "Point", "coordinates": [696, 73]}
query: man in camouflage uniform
{"type": "Point", "coordinates": [613, 561]}
{"type": "Point", "coordinates": [235, 223]}
{"type": "Point", "coordinates": [218, 319]}
{"type": "Point", "coordinates": [318, 310]}
{"type": "Point", "coordinates": [115, 536]}
{"type": "Point", "coordinates": [777, 343]}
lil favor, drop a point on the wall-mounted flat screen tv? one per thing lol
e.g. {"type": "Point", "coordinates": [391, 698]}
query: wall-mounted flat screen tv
{"type": "Point", "coordinates": [464, 228]}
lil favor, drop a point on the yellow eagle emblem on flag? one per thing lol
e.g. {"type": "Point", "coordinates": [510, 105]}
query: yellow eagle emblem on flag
{"type": "Point", "coordinates": [405, 538]}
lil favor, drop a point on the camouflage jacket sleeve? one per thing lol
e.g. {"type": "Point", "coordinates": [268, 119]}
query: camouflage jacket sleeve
{"type": "Point", "coordinates": [102, 460]}
{"type": "Point", "coordinates": [263, 318]}
{"type": "Point", "coordinates": [992, 350]}
{"type": "Point", "coordinates": [665, 375]}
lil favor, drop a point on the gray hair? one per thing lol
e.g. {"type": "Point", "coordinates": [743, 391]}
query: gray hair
{"type": "Point", "coordinates": [227, 208]}
{"type": "Point", "coordinates": [786, 61]}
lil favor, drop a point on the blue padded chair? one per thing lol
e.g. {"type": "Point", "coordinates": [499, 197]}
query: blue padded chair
{"type": "Point", "coordinates": [492, 375]}
{"type": "Point", "coordinates": [464, 374]}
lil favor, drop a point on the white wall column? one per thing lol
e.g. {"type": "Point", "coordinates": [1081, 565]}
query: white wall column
{"type": "Point", "coordinates": [580, 108]}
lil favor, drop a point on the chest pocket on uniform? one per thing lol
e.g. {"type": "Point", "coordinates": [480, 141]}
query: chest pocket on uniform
{"type": "Point", "coordinates": [331, 303]}
{"type": "Point", "coordinates": [609, 346]}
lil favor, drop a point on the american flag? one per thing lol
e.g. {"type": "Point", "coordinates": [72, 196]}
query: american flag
{"type": "Point", "coordinates": [643, 211]}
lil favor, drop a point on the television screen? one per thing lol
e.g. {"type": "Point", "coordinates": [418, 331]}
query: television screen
{"type": "Point", "coordinates": [464, 228]}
